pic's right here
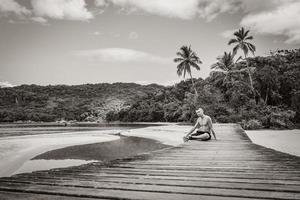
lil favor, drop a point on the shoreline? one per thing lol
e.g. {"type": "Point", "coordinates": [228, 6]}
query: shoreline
{"type": "Point", "coordinates": [82, 124]}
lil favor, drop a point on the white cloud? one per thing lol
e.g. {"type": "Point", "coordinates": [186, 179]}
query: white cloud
{"type": "Point", "coordinates": [210, 9]}
{"type": "Point", "coordinates": [228, 33]}
{"type": "Point", "coordinates": [97, 33]}
{"type": "Point", "coordinates": [101, 3]}
{"type": "Point", "coordinates": [144, 82]}
{"type": "Point", "coordinates": [120, 55]}
{"type": "Point", "coordinates": [282, 20]}
{"type": "Point", "coordinates": [4, 84]}
{"type": "Point", "coordinates": [11, 6]}
{"type": "Point", "coordinates": [165, 83]}
{"type": "Point", "coordinates": [39, 20]}
{"type": "Point", "coordinates": [133, 35]}
{"type": "Point", "coordinates": [180, 9]}
{"type": "Point", "coordinates": [183, 9]}
{"type": "Point", "coordinates": [62, 9]}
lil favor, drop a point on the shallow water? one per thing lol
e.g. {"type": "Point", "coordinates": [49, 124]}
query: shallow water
{"type": "Point", "coordinates": [16, 150]}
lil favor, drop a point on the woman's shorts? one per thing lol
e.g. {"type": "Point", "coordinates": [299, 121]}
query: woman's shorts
{"type": "Point", "coordinates": [201, 133]}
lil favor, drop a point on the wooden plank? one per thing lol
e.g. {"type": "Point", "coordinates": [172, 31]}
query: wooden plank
{"type": "Point", "coordinates": [109, 194]}
{"type": "Point", "coordinates": [29, 196]}
{"type": "Point", "coordinates": [157, 177]}
{"type": "Point", "coordinates": [182, 183]}
{"type": "Point", "coordinates": [151, 190]}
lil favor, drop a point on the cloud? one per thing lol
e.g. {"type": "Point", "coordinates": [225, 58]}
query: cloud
{"type": "Point", "coordinates": [210, 9]}
{"type": "Point", "coordinates": [119, 55]}
{"type": "Point", "coordinates": [101, 3]}
{"type": "Point", "coordinates": [228, 33]}
{"type": "Point", "coordinates": [62, 9]}
{"type": "Point", "coordinates": [11, 6]}
{"type": "Point", "coordinates": [4, 84]}
{"type": "Point", "coordinates": [97, 33]}
{"type": "Point", "coordinates": [183, 9]}
{"type": "Point", "coordinates": [133, 35]}
{"type": "Point", "coordinates": [39, 20]}
{"type": "Point", "coordinates": [282, 20]}
{"type": "Point", "coordinates": [165, 83]}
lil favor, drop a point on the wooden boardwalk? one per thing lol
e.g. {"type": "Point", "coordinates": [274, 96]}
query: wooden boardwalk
{"type": "Point", "coordinates": [229, 168]}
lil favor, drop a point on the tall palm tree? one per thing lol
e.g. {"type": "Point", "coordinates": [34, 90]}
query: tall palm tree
{"type": "Point", "coordinates": [187, 58]}
{"type": "Point", "coordinates": [241, 41]}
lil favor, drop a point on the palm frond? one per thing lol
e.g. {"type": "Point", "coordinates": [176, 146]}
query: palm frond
{"type": "Point", "coordinates": [180, 68]}
{"type": "Point", "coordinates": [251, 47]}
{"type": "Point", "coordinates": [234, 51]}
{"type": "Point", "coordinates": [245, 49]}
{"type": "Point", "coordinates": [249, 38]}
{"type": "Point", "coordinates": [197, 67]}
{"type": "Point", "coordinates": [178, 59]}
{"type": "Point", "coordinates": [180, 54]}
{"type": "Point", "coordinates": [246, 34]}
{"type": "Point", "coordinates": [232, 41]}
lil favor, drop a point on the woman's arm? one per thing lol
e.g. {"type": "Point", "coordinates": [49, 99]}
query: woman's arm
{"type": "Point", "coordinates": [211, 128]}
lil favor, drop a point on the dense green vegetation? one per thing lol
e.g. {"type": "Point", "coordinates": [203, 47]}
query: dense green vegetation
{"type": "Point", "coordinates": [88, 102]}
{"type": "Point", "coordinates": [226, 94]}
{"type": "Point", "coordinates": [254, 91]}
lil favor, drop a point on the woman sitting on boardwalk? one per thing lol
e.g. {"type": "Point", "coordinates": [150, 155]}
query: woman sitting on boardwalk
{"type": "Point", "coordinates": [205, 129]}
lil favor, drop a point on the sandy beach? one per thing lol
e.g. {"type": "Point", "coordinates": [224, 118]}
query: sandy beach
{"type": "Point", "coordinates": [286, 141]}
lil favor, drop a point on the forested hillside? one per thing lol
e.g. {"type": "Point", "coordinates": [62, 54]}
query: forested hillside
{"type": "Point", "coordinates": [226, 95]}
{"type": "Point", "coordinates": [88, 102]}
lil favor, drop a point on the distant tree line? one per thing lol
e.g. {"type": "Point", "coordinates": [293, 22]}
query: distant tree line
{"type": "Point", "coordinates": [88, 102]}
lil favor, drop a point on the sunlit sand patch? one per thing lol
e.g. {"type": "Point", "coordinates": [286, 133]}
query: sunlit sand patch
{"type": "Point", "coordinates": [286, 141]}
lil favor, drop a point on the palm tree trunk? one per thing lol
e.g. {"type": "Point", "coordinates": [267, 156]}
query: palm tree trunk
{"type": "Point", "coordinates": [250, 76]}
{"type": "Point", "coordinates": [267, 94]}
{"type": "Point", "coordinates": [193, 84]}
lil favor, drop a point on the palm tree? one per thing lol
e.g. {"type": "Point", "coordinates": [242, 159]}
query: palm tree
{"type": "Point", "coordinates": [187, 58]}
{"type": "Point", "coordinates": [225, 63]}
{"type": "Point", "coordinates": [224, 68]}
{"type": "Point", "coordinates": [241, 41]}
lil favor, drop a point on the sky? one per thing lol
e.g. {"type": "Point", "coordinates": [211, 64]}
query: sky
{"type": "Point", "coordinates": [94, 41]}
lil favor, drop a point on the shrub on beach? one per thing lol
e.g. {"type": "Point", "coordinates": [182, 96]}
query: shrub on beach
{"type": "Point", "coordinates": [251, 124]}
{"type": "Point", "coordinates": [282, 119]}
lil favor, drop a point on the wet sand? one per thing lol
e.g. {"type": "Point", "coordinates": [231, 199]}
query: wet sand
{"type": "Point", "coordinates": [117, 149]}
